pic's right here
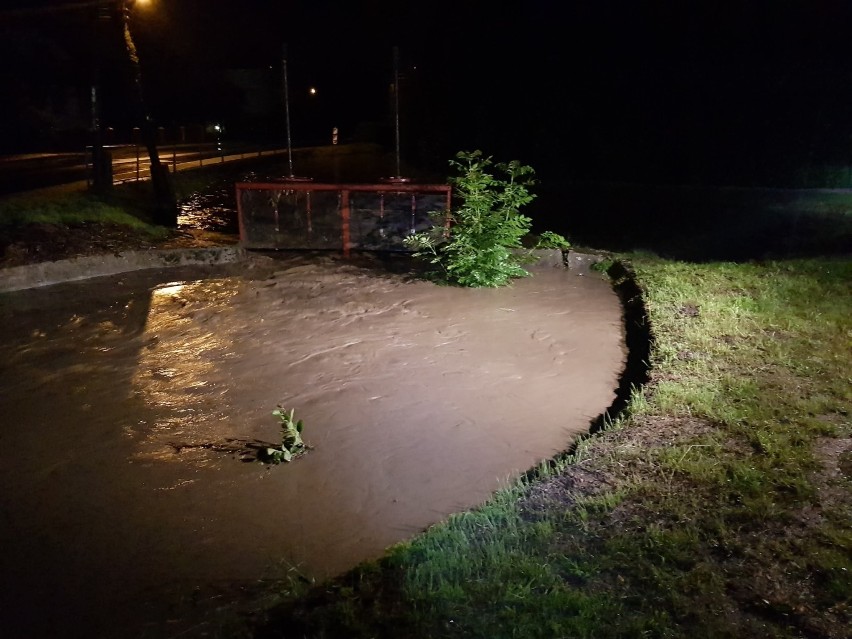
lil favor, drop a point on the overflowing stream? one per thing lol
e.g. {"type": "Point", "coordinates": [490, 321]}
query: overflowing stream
{"type": "Point", "coordinates": [129, 404]}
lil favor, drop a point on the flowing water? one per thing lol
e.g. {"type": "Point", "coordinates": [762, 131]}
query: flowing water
{"type": "Point", "coordinates": [214, 209]}
{"type": "Point", "coordinates": [127, 403]}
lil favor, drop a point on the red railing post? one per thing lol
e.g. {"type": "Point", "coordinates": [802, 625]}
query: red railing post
{"type": "Point", "coordinates": [314, 210]}
{"type": "Point", "coordinates": [344, 219]}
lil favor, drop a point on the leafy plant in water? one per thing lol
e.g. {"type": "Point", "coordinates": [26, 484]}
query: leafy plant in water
{"type": "Point", "coordinates": [291, 439]}
{"type": "Point", "coordinates": [551, 240]}
{"type": "Point", "coordinates": [482, 244]}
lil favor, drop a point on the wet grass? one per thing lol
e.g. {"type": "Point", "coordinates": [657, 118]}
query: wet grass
{"type": "Point", "coordinates": [717, 506]}
{"type": "Point", "coordinates": [68, 209]}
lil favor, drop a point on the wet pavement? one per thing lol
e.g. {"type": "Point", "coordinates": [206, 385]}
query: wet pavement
{"type": "Point", "coordinates": [128, 401]}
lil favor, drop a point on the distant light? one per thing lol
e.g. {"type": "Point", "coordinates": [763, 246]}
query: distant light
{"type": "Point", "coordinates": [217, 127]}
{"type": "Point", "coordinates": [312, 91]}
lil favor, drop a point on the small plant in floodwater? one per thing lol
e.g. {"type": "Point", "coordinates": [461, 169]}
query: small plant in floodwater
{"type": "Point", "coordinates": [551, 240]}
{"type": "Point", "coordinates": [292, 445]}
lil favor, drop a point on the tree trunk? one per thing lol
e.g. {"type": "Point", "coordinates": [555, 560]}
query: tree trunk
{"type": "Point", "coordinates": [165, 202]}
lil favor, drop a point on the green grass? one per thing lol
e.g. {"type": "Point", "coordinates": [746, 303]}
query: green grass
{"type": "Point", "coordinates": [67, 209]}
{"type": "Point", "coordinates": [128, 205]}
{"type": "Point", "coordinates": [716, 511]}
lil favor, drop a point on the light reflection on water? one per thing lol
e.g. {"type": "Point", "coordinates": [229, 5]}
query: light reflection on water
{"type": "Point", "coordinates": [174, 372]}
{"type": "Point", "coordinates": [213, 210]}
{"type": "Point", "coordinates": [168, 289]}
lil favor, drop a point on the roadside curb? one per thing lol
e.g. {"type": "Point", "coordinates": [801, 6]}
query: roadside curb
{"type": "Point", "coordinates": [17, 278]}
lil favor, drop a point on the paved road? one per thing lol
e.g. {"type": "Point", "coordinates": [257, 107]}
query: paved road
{"type": "Point", "coordinates": [26, 172]}
{"type": "Point", "coordinates": [36, 170]}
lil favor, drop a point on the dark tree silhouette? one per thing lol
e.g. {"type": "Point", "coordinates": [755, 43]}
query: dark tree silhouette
{"type": "Point", "coordinates": [165, 205]}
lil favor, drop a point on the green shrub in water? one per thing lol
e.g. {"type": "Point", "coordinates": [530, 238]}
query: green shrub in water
{"type": "Point", "coordinates": [482, 244]}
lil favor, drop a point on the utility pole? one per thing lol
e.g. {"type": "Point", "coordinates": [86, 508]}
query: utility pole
{"type": "Point", "coordinates": [286, 90]}
{"type": "Point", "coordinates": [396, 109]}
{"type": "Point", "coordinates": [397, 178]}
{"type": "Point", "coordinates": [101, 159]}
{"type": "Point", "coordinates": [287, 109]}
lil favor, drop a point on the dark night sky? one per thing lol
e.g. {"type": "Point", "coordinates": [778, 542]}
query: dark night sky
{"type": "Point", "coordinates": [671, 86]}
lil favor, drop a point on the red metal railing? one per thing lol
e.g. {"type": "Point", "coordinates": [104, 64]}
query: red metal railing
{"type": "Point", "coordinates": [257, 211]}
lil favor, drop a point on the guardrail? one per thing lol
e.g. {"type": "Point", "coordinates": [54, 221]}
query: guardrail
{"type": "Point", "coordinates": [130, 162]}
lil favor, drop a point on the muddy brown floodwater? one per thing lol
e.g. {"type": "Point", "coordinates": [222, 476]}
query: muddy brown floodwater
{"type": "Point", "coordinates": [418, 400]}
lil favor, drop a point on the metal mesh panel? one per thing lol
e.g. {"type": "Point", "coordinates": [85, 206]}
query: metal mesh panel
{"type": "Point", "coordinates": [287, 218]}
{"type": "Point", "coordinates": [381, 221]}
{"type": "Point", "coordinates": [338, 217]}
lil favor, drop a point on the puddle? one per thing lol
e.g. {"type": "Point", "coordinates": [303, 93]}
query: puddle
{"type": "Point", "coordinates": [419, 401]}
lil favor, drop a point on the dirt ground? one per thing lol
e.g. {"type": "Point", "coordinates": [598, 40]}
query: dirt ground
{"type": "Point", "coordinates": [134, 401]}
{"type": "Point", "coordinates": [33, 243]}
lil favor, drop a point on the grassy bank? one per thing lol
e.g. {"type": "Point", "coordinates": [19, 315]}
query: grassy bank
{"type": "Point", "coordinates": [718, 507]}
{"type": "Point", "coordinates": [130, 204]}
{"type": "Point", "coordinates": [68, 209]}
{"type": "Point", "coordinates": [127, 205]}
{"type": "Point", "coordinates": [65, 222]}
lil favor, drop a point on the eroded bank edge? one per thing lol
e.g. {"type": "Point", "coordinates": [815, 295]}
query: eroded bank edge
{"type": "Point", "coordinates": [638, 339]}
